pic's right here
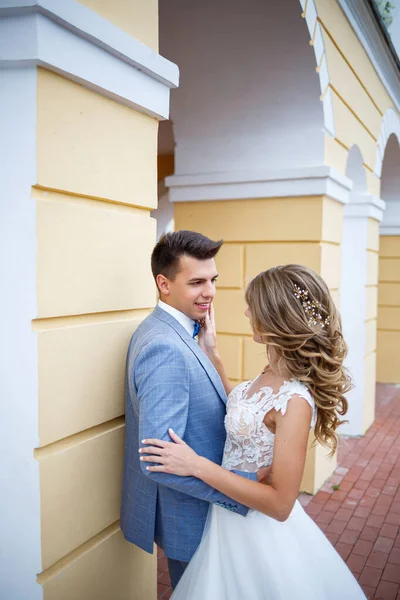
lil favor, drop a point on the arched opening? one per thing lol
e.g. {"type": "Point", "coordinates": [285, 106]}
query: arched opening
{"type": "Point", "coordinates": [353, 296]}
{"type": "Point", "coordinates": [388, 341]}
{"type": "Point", "coordinates": [250, 120]}
{"type": "Point", "coordinates": [249, 93]}
{"type": "Point", "coordinates": [390, 184]}
{"type": "Point", "coordinates": [355, 171]}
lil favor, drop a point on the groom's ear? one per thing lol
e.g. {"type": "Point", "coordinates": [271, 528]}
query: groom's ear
{"type": "Point", "coordinates": [163, 284]}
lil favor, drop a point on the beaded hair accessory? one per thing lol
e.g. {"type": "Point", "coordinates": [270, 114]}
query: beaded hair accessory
{"type": "Point", "coordinates": [311, 308]}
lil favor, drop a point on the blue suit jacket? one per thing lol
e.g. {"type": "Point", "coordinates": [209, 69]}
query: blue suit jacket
{"type": "Point", "coordinates": [170, 383]}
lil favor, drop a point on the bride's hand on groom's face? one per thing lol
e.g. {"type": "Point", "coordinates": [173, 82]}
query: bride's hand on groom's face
{"type": "Point", "coordinates": [208, 333]}
{"type": "Point", "coordinates": [174, 457]}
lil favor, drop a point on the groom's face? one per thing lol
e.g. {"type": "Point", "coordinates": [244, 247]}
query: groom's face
{"type": "Point", "coordinates": [193, 288]}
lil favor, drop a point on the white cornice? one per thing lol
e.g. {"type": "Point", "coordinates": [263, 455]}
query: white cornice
{"type": "Point", "coordinates": [389, 230]}
{"type": "Point", "coordinates": [363, 21]}
{"type": "Point", "coordinates": [308, 181]}
{"type": "Point", "coordinates": [66, 37]}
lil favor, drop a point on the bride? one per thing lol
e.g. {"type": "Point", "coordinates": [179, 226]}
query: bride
{"type": "Point", "coordinates": [277, 552]}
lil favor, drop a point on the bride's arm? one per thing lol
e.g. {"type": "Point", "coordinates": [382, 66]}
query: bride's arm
{"type": "Point", "coordinates": [276, 499]}
{"type": "Point", "coordinates": [217, 362]}
{"type": "Point", "coordinates": [208, 343]}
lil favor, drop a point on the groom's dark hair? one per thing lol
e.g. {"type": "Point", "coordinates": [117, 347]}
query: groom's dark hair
{"type": "Point", "coordinates": [171, 246]}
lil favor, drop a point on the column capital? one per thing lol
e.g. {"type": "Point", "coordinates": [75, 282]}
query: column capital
{"type": "Point", "coordinates": [365, 206]}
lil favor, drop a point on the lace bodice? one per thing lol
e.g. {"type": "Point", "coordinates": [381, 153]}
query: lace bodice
{"type": "Point", "coordinates": [249, 443]}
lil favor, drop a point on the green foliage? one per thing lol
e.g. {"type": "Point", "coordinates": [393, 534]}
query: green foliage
{"type": "Point", "coordinates": [336, 487]}
{"type": "Point", "coordinates": [385, 8]}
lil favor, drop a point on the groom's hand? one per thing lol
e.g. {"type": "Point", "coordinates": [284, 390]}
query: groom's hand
{"type": "Point", "coordinates": [264, 475]}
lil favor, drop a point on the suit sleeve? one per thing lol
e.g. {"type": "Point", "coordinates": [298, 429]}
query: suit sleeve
{"type": "Point", "coordinates": [161, 377]}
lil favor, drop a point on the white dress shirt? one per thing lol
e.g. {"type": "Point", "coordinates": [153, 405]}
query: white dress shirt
{"type": "Point", "coordinates": [182, 319]}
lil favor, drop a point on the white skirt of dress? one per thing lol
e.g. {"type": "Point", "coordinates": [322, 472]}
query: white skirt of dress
{"type": "Point", "coordinates": [259, 558]}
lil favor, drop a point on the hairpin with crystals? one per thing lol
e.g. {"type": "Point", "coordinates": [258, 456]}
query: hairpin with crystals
{"type": "Point", "coordinates": [311, 308]}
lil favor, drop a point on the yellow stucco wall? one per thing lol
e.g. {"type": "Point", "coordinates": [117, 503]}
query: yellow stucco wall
{"type": "Point", "coordinates": [136, 17]}
{"type": "Point", "coordinates": [359, 97]}
{"type": "Point", "coordinates": [94, 147]}
{"type": "Point", "coordinates": [388, 368]}
{"type": "Point", "coordinates": [96, 185]}
{"type": "Point", "coordinates": [359, 102]}
{"type": "Point", "coordinates": [259, 234]}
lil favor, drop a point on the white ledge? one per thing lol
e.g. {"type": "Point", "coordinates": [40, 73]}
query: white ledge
{"type": "Point", "coordinates": [68, 38]}
{"type": "Point", "coordinates": [365, 206]}
{"type": "Point", "coordinates": [307, 181]}
{"type": "Point", "coordinates": [389, 230]}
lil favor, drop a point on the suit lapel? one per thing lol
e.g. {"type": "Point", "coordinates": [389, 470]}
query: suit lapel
{"type": "Point", "coordinates": [205, 362]}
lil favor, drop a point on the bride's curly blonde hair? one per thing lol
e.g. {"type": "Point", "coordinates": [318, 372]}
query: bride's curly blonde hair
{"type": "Point", "coordinates": [292, 311]}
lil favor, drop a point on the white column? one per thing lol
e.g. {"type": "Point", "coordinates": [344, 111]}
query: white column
{"type": "Point", "coordinates": [353, 299]}
{"type": "Point", "coordinates": [69, 39]}
{"type": "Point", "coordinates": [20, 499]}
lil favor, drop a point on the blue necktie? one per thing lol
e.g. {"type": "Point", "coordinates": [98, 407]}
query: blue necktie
{"type": "Point", "coordinates": [196, 329]}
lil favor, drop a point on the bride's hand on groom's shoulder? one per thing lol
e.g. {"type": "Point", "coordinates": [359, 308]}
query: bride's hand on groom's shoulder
{"type": "Point", "coordinates": [174, 457]}
{"type": "Point", "coordinates": [208, 333]}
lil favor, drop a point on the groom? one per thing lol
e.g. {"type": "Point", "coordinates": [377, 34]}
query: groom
{"type": "Point", "coordinates": [172, 383]}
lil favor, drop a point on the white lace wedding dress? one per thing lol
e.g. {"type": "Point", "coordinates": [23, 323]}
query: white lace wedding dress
{"type": "Point", "coordinates": [257, 557]}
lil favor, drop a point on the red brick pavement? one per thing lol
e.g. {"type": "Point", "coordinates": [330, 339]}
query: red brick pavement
{"type": "Point", "coordinates": [358, 508]}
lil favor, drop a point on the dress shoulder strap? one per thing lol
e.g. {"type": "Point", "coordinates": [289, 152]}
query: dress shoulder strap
{"type": "Point", "coordinates": [291, 388]}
